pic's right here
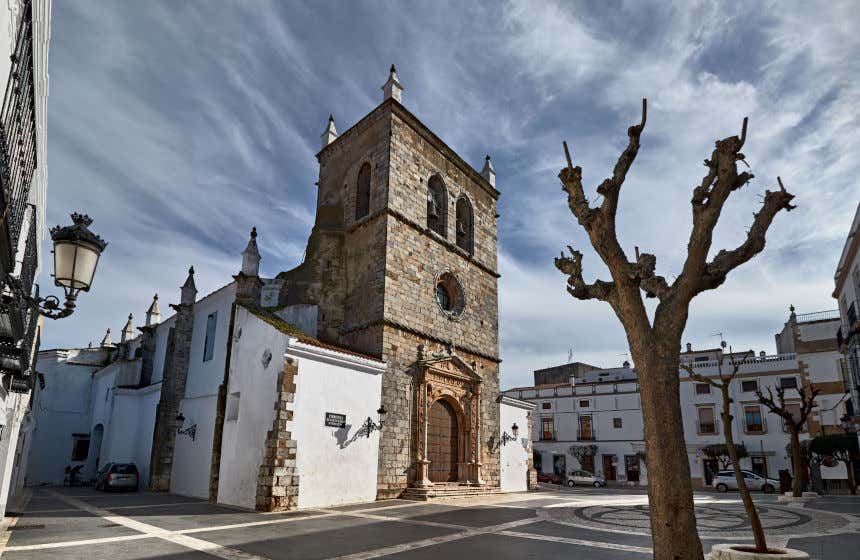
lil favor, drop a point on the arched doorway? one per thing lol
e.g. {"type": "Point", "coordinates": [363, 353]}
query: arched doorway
{"type": "Point", "coordinates": [442, 443]}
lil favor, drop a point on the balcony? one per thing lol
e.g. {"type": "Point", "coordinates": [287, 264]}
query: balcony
{"type": "Point", "coordinates": [586, 435]}
{"type": "Point", "coordinates": [753, 364]}
{"type": "Point", "coordinates": [706, 428]}
{"type": "Point", "coordinates": [17, 141]}
{"type": "Point", "coordinates": [828, 315]}
{"type": "Point", "coordinates": [758, 427]}
{"type": "Point", "coordinates": [547, 436]}
{"type": "Point", "coordinates": [18, 321]}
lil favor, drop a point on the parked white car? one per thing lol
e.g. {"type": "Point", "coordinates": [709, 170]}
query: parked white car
{"type": "Point", "coordinates": [725, 480]}
{"type": "Point", "coordinates": [584, 478]}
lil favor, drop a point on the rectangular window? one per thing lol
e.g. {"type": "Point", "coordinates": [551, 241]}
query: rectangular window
{"type": "Point", "coordinates": [707, 425]}
{"type": "Point", "coordinates": [701, 359]}
{"type": "Point", "coordinates": [788, 382]}
{"type": "Point", "coordinates": [209, 343]}
{"type": "Point", "coordinates": [586, 433]}
{"type": "Point", "coordinates": [80, 448]}
{"type": "Point", "coordinates": [616, 423]}
{"type": "Point", "coordinates": [703, 389]}
{"type": "Point", "coordinates": [749, 386]}
{"type": "Point", "coordinates": [752, 419]}
{"type": "Point", "coordinates": [546, 405]}
{"type": "Point", "coordinates": [583, 404]}
{"type": "Point", "coordinates": [547, 431]}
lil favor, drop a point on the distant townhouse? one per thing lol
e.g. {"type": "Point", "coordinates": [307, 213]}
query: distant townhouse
{"type": "Point", "coordinates": [847, 293]}
{"type": "Point", "coordinates": [594, 421]}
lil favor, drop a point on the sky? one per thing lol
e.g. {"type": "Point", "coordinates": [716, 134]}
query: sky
{"type": "Point", "coordinates": [180, 125]}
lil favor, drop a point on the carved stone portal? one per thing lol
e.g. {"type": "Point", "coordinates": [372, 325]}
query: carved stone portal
{"type": "Point", "coordinates": [446, 377]}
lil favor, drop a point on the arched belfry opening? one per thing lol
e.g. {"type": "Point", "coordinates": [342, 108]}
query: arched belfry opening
{"type": "Point", "coordinates": [465, 225]}
{"type": "Point", "coordinates": [437, 205]}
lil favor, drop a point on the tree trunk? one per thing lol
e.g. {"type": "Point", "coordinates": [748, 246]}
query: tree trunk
{"type": "Point", "coordinates": [749, 506]}
{"type": "Point", "coordinates": [670, 490]}
{"type": "Point", "coordinates": [796, 464]}
{"type": "Point", "coordinates": [852, 485]}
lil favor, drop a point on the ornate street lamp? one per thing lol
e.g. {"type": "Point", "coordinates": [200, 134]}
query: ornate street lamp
{"type": "Point", "coordinates": [76, 255]}
{"type": "Point", "coordinates": [507, 437]}
{"type": "Point", "coordinates": [370, 426]}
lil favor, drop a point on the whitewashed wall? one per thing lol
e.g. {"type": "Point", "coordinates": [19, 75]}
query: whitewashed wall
{"type": "Point", "coordinates": [255, 387]}
{"type": "Point", "coordinates": [335, 466]}
{"type": "Point", "coordinates": [514, 455]}
{"type": "Point", "coordinates": [131, 430]}
{"type": "Point", "coordinates": [59, 410]}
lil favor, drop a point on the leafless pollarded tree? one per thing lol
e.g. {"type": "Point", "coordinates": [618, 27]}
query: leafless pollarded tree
{"type": "Point", "coordinates": [723, 383]}
{"type": "Point", "coordinates": [794, 423]}
{"type": "Point", "coordinates": [655, 345]}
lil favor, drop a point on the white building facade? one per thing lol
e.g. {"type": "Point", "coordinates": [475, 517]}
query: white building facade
{"type": "Point", "coordinates": [594, 422]}
{"type": "Point", "coordinates": [24, 40]}
{"type": "Point", "coordinates": [847, 293]}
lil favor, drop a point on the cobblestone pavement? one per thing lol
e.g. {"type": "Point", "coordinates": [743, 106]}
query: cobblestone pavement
{"type": "Point", "coordinates": [552, 523]}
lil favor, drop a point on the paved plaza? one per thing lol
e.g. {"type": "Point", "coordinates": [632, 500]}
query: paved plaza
{"type": "Point", "coordinates": [552, 523]}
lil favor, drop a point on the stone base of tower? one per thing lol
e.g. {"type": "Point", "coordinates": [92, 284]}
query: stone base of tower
{"type": "Point", "coordinates": [450, 490]}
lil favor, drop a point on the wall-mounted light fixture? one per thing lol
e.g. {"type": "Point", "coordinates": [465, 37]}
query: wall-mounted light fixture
{"type": "Point", "coordinates": [515, 430]}
{"type": "Point", "coordinates": [190, 431]}
{"type": "Point", "coordinates": [369, 425]}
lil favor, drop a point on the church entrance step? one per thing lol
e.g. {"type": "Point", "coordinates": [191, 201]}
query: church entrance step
{"type": "Point", "coordinates": [439, 491]}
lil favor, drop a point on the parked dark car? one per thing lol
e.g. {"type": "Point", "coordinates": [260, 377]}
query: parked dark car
{"type": "Point", "coordinates": [118, 476]}
{"type": "Point", "coordinates": [551, 478]}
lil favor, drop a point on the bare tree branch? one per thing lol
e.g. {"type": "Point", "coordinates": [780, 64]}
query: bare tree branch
{"type": "Point", "coordinates": [779, 407]}
{"type": "Point", "coordinates": [611, 187]}
{"type": "Point", "coordinates": [643, 273]}
{"type": "Point", "coordinates": [576, 285]}
{"type": "Point", "coordinates": [726, 261]}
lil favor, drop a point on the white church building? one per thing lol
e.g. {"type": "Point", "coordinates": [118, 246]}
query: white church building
{"type": "Point", "coordinates": [267, 416]}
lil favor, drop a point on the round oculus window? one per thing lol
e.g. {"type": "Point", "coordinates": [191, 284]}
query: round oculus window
{"type": "Point", "coordinates": [449, 295]}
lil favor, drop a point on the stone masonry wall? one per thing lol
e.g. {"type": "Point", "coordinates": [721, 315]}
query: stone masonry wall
{"type": "Point", "coordinates": [397, 451]}
{"type": "Point", "coordinates": [278, 482]}
{"type": "Point", "coordinates": [177, 358]}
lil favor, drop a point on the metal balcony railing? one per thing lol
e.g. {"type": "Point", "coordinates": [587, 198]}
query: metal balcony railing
{"type": "Point", "coordinates": [817, 316]}
{"type": "Point", "coordinates": [546, 435]}
{"type": "Point", "coordinates": [17, 137]}
{"type": "Point", "coordinates": [758, 427]}
{"type": "Point", "coordinates": [706, 428]}
{"type": "Point", "coordinates": [585, 435]}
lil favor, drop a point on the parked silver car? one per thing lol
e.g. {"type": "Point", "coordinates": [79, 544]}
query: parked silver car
{"type": "Point", "coordinates": [116, 476]}
{"type": "Point", "coordinates": [584, 478]}
{"type": "Point", "coordinates": [725, 480]}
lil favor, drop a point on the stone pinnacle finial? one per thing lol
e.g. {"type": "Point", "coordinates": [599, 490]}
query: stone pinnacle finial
{"type": "Point", "coordinates": [392, 88]}
{"type": "Point", "coordinates": [329, 135]}
{"type": "Point", "coordinates": [251, 256]}
{"type": "Point", "coordinates": [153, 314]}
{"type": "Point", "coordinates": [188, 290]}
{"type": "Point", "coordinates": [128, 330]}
{"type": "Point", "coordinates": [106, 340]}
{"type": "Point", "coordinates": [489, 172]}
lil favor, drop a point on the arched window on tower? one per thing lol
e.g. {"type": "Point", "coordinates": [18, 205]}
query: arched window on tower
{"type": "Point", "coordinates": [465, 225]}
{"type": "Point", "coordinates": [362, 192]}
{"type": "Point", "coordinates": [437, 205]}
